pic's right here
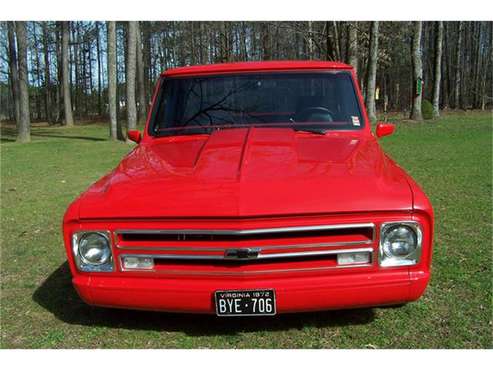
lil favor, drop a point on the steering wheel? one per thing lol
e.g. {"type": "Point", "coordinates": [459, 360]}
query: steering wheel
{"type": "Point", "coordinates": [322, 114]}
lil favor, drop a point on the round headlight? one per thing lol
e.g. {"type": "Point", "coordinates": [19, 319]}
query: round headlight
{"type": "Point", "coordinates": [399, 241]}
{"type": "Point", "coordinates": [94, 248]}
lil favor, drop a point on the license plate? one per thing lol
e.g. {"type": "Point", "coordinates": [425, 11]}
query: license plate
{"type": "Point", "coordinates": [245, 302]}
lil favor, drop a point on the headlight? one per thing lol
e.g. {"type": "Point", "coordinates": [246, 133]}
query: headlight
{"type": "Point", "coordinates": [400, 243]}
{"type": "Point", "coordinates": [92, 251]}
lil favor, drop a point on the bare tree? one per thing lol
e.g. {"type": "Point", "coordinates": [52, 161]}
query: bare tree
{"type": "Point", "coordinates": [140, 78]}
{"type": "Point", "coordinates": [353, 45]}
{"type": "Point", "coordinates": [24, 124]}
{"type": "Point", "coordinates": [59, 89]}
{"type": "Point", "coordinates": [100, 72]}
{"type": "Point", "coordinates": [488, 66]}
{"type": "Point", "coordinates": [47, 76]}
{"type": "Point", "coordinates": [67, 103]}
{"type": "Point", "coordinates": [338, 55]}
{"type": "Point", "coordinates": [477, 70]}
{"type": "Point", "coordinates": [458, 67]}
{"type": "Point", "coordinates": [372, 72]}
{"type": "Point", "coordinates": [14, 72]}
{"type": "Point", "coordinates": [243, 44]}
{"type": "Point", "coordinates": [310, 39]}
{"type": "Point", "coordinates": [111, 60]}
{"type": "Point", "coordinates": [35, 71]}
{"type": "Point", "coordinates": [438, 69]}
{"type": "Point", "coordinates": [417, 71]}
{"type": "Point", "coordinates": [130, 77]}
{"type": "Point", "coordinates": [265, 41]}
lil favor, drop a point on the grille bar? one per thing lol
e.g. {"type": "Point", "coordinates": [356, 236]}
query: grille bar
{"type": "Point", "coordinates": [222, 249]}
{"type": "Point", "coordinates": [206, 257]}
{"type": "Point", "coordinates": [276, 230]}
{"type": "Point", "coordinates": [362, 233]}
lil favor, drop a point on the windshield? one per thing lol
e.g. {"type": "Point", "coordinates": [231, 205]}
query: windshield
{"type": "Point", "coordinates": [304, 101]}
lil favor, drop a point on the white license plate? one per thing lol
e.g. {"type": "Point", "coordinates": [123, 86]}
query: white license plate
{"type": "Point", "coordinates": [260, 302]}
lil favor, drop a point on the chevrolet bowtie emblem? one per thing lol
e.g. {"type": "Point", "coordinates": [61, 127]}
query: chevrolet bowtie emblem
{"type": "Point", "coordinates": [241, 253]}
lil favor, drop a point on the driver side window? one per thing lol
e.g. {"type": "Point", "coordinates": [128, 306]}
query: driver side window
{"type": "Point", "coordinates": [316, 95]}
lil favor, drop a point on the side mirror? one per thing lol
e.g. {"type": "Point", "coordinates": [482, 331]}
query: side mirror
{"type": "Point", "coordinates": [134, 135]}
{"type": "Point", "coordinates": [384, 129]}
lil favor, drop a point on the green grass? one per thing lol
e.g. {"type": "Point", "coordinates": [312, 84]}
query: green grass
{"type": "Point", "coordinates": [451, 158]}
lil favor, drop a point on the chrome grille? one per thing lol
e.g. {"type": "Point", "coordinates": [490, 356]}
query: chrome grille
{"type": "Point", "coordinates": [223, 248]}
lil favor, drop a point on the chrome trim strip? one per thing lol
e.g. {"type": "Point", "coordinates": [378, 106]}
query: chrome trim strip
{"type": "Point", "coordinates": [260, 256]}
{"type": "Point", "coordinates": [243, 273]}
{"type": "Point", "coordinates": [314, 253]}
{"type": "Point", "coordinates": [202, 257]}
{"type": "Point", "coordinates": [222, 249]}
{"type": "Point", "coordinates": [245, 231]}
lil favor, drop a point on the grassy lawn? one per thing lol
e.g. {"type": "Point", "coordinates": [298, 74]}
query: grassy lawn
{"type": "Point", "coordinates": [451, 158]}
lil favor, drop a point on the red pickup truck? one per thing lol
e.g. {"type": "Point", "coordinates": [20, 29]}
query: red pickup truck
{"type": "Point", "coordinates": [256, 188]}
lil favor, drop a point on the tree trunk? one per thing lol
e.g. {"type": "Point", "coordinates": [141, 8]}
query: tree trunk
{"type": "Point", "coordinates": [458, 67]}
{"type": "Point", "coordinates": [372, 72]}
{"type": "Point", "coordinates": [100, 72]}
{"type": "Point", "coordinates": [192, 51]}
{"type": "Point", "coordinates": [48, 105]}
{"type": "Point", "coordinates": [353, 45]}
{"type": "Point", "coordinates": [336, 41]}
{"type": "Point", "coordinates": [310, 40]}
{"type": "Point", "coordinates": [146, 55]}
{"type": "Point", "coordinates": [140, 78]}
{"type": "Point", "coordinates": [59, 89]}
{"type": "Point", "coordinates": [24, 124]}
{"type": "Point", "coordinates": [111, 60]}
{"type": "Point", "coordinates": [14, 72]}
{"type": "Point", "coordinates": [266, 55]}
{"type": "Point", "coordinates": [83, 80]}
{"type": "Point", "coordinates": [477, 80]}
{"type": "Point", "coordinates": [75, 70]}
{"type": "Point", "coordinates": [438, 70]}
{"type": "Point", "coordinates": [329, 53]}
{"type": "Point", "coordinates": [130, 78]}
{"type": "Point", "coordinates": [243, 46]}
{"type": "Point", "coordinates": [35, 72]}
{"type": "Point", "coordinates": [417, 72]}
{"type": "Point", "coordinates": [67, 104]}
{"type": "Point", "coordinates": [223, 43]}
{"type": "Point", "coordinates": [446, 68]}
{"type": "Point", "coordinates": [488, 70]}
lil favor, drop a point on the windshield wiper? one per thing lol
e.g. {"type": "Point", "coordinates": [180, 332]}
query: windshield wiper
{"type": "Point", "coordinates": [320, 131]}
{"type": "Point", "coordinates": [299, 127]}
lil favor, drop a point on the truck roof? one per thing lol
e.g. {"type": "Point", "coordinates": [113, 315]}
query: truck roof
{"type": "Point", "coordinates": [254, 66]}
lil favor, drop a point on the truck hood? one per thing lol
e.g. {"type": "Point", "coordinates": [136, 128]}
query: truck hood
{"type": "Point", "coordinates": [249, 172]}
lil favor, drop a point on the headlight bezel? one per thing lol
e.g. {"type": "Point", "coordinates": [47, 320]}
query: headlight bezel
{"type": "Point", "coordinates": [86, 266]}
{"type": "Point", "coordinates": [412, 258]}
